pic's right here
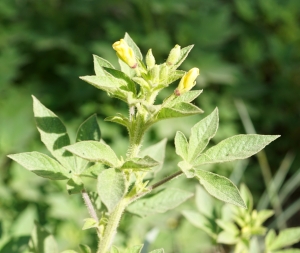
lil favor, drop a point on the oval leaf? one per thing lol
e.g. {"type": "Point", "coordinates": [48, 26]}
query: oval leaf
{"type": "Point", "coordinates": [181, 145]}
{"type": "Point", "coordinates": [94, 151]}
{"type": "Point", "coordinates": [140, 163]}
{"type": "Point", "coordinates": [236, 147]}
{"type": "Point", "coordinates": [42, 165]}
{"type": "Point", "coordinates": [160, 202]}
{"type": "Point", "coordinates": [220, 187]}
{"type": "Point", "coordinates": [111, 187]}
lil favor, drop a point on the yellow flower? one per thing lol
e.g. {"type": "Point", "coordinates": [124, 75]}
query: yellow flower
{"type": "Point", "coordinates": [125, 53]}
{"type": "Point", "coordinates": [187, 82]}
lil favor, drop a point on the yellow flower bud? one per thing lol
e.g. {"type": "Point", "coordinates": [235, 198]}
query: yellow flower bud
{"type": "Point", "coordinates": [125, 53]}
{"type": "Point", "coordinates": [187, 82]}
{"type": "Point", "coordinates": [174, 55]}
{"type": "Point", "coordinates": [150, 60]}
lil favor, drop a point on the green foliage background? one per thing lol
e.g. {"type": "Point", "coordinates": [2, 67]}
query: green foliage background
{"type": "Point", "coordinates": [248, 50]}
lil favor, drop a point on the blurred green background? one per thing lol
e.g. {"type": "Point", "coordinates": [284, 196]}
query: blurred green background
{"type": "Point", "coordinates": [249, 56]}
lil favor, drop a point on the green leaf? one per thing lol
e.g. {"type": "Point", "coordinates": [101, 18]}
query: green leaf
{"type": "Point", "coordinates": [42, 165]}
{"type": "Point", "coordinates": [135, 48]}
{"type": "Point", "coordinates": [181, 145]}
{"type": "Point", "coordinates": [227, 238]}
{"type": "Point", "coordinates": [74, 185]}
{"type": "Point", "coordinates": [111, 85]}
{"type": "Point", "coordinates": [140, 163]}
{"type": "Point", "coordinates": [114, 249]}
{"type": "Point", "coordinates": [106, 83]}
{"type": "Point", "coordinates": [134, 249]}
{"type": "Point", "coordinates": [88, 130]}
{"type": "Point", "coordinates": [111, 187]}
{"type": "Point", "coordinates": [179, 110]}
{"type": "Point", "coordinates": [200, 221]}
{"type": "Point", "coordinates": [205, 203]}
{"type": "Point", "coordinates": [157, 152]}
{"type": "Point", "coordinates": [42, 241]}
{"type": "Point", "coordinates": [93, 171]}
{"type": "Point", "coordinates": [185, 97]}
{"type": "Point", "coordinates": [95, 151]}
{"type": "Point", "coordinates": [99, 63]}
{"type": "Point", "coordinates": [220, 187]}
{"type": "Point", "coordinates": [286, 237]}
{"type": "Point", "coordinates": [270, 237]}
{"type": "Point", "coordinates": [233, 148]}
{"type": "Point", "coordinates": [157, 251]}
{"type": "Point", "coordinates": [89, 223]}
{"type": "Point", "coordinates": [69, 251]}
{"type": "Point", "coordinates": [161, 202]}
{"type": "Point", "coordinates": [228, 227]}
{"type": "Point", "coordinates": [119, 118]}
{"type": "Point", "coordinates": [84, 248]}
{"type": "Point", "coordinates": [123, 78]}
{"type": "Point", "coordinates": [201, 133]}
{"type": "Point", "coordinates": [53, 134]}
{"type": "Point", "coordinates": [287, 251]}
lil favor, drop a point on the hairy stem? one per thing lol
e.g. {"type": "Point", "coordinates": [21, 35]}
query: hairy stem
{"type": "Point", "coordinates": [111, 227]}
{"type": "Point", "coordinates": [152, 187]}
{"type": "Point", "coordinates": [89, 205]}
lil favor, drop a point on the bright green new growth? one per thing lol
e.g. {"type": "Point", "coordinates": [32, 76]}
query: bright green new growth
{"type": "Point", "coordinates": [122, 181]}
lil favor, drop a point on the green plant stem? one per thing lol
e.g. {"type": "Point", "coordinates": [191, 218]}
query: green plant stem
{"type": "Point", "coordinates": [111, 227]}
{"type": "Point", "coordinates": [136, 133]}
{"type": "Point", "coordinates": [89, 205]}
{"type": "Point", "coordinates": [152, 187]}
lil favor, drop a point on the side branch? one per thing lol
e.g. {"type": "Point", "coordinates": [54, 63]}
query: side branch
{"type": "Point", "coordinates": [89, 205]}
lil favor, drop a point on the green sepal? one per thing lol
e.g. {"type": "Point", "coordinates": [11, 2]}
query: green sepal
{"type": "Point", "coordinates": [181, 109]}
{"type": "Point", "coordinates": [220, 187]}
{"type": "Point", "coordinates": [42, 165]}
{"type": "Point", "coordinates": [140, 164]}
{"type": "Point", "coordinates": [99, 63]}
{"type": "Point", "coordinates": [75, 185]}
